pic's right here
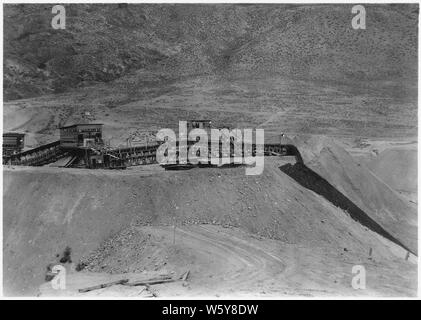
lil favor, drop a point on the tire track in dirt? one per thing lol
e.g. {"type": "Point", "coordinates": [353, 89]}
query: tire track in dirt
{"type": "Point", "coordinates": [233, 262]}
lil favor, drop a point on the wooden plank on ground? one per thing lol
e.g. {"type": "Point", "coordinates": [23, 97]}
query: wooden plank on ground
{"type": "Point", "coordinates": [149, 282]}
{"type": "Point", "coordinates": [185, 275]}
{"type": "Point", "coordinates": [104, 285]}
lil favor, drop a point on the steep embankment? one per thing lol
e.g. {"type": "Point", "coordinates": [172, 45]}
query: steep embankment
{"type": "Point", "coordinates": [48, 209]}
{"type": "Point", "coordinates": [370, 194]}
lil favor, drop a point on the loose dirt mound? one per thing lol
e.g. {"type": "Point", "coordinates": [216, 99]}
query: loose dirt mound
{"type": "Point", "coordinates": [48, 209]}
{"type": "Point", "coordinates": [355, 181]}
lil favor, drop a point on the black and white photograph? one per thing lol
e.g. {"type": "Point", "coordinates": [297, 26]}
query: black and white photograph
{"type": "Point", "coordinates": [210, 150]}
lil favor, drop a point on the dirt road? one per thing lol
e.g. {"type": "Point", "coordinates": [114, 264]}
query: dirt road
{"type": "Point", "coordinates": [226, 257]}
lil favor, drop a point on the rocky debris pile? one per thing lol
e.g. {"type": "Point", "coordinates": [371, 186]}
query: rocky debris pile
{"type": "Point", "coordinates": [126, 245]}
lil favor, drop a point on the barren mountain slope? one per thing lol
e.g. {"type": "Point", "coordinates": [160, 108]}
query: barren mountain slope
{"type": "Point", "coordinates": [104, 42]}
{"type": "Point", "coordinates": [139, 68]}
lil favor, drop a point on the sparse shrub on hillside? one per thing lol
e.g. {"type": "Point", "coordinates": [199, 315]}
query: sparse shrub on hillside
{"type": "Point", "coordinates": [80, 266]}
{"type": "Point", "coordinates": [66, 258]}
{"type": "Point", "coordinates": [48, 273]}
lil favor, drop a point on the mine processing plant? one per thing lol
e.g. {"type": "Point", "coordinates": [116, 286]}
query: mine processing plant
{"type": "Point", "coordinates": [82, 146]}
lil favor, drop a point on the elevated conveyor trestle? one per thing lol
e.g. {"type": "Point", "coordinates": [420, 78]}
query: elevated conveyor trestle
{"type": "Point", "coordinates": [102, 157]}
{"type": "Point", "coordinates": [39, 156]}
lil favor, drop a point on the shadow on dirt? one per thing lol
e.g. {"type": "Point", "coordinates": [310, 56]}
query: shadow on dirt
{"type": "Point", "coordinates": [314, 182]}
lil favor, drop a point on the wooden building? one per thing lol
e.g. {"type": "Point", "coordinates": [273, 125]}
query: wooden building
{"type": "Point", "coordinates": [199, 124]}
{"type": "Point", "coordinates": [81, 135]}
{"type": "Point", "coordinates": [13, 143]}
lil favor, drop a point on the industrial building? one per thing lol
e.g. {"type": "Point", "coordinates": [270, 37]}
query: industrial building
{"type": "Point", "coordinates": [81, 146]}
{"type": "Point", "coordinates": [199, 124]}
{"type": "Point", "coordinates": [81, 135]}
{"type": "Point", "coordinates": [13, 143]}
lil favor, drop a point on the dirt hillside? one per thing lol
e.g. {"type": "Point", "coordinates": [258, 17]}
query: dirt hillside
{"type": "Point", "coordinates": [365, 190]}
{"type": "Point", "coordinates": [48, 209]}
{"type": "Point", "coordinates": [398, 168]}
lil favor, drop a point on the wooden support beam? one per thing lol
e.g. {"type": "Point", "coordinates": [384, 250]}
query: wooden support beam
{"type": "Point", "coordinates": [150, 282]}
{"type": "Point", "coordinates": [104, 285]}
